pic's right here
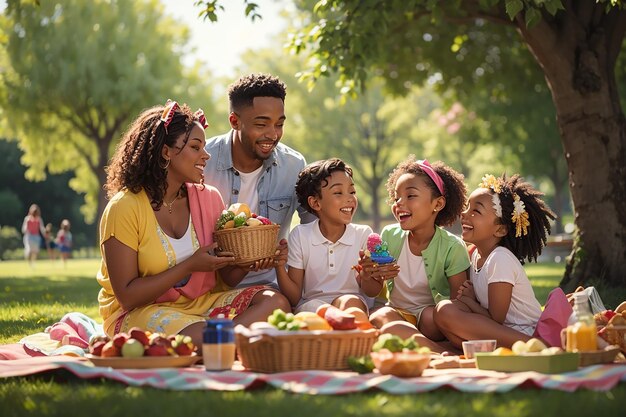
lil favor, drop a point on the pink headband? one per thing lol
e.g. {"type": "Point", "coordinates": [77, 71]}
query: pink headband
{"type": "Point", "coordinates": [432, 174]}
{"type": "Point", "coordinates": [168, 113]}
{"type": "Point", "coordinates": [171, 107]}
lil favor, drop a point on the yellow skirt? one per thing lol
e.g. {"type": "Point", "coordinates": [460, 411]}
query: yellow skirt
{"type": "Point", "coordinates": [172, 317]}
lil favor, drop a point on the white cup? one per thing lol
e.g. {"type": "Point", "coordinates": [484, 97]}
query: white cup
{"type": "Point", "coordinates": [470, 347]}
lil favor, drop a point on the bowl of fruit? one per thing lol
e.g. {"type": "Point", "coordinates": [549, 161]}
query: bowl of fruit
{"type": "Point", "coordinates": [140, 349]}
{"type": "Point", "coordinates": [391, 355]}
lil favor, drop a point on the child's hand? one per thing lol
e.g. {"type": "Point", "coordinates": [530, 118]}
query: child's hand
{"type": "Point", "coordinates": [281, 254]}
{"type": "Point", "coordinates": [467, 290]}
{"type": "Point", "coordinates": [369, 270]}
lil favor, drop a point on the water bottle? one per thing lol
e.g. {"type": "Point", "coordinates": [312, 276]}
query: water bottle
{"type": "Point", "coordinates": [218, 344]}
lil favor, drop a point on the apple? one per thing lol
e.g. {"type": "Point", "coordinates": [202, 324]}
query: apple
{"type": "Point", "coordinates": [133, 348]}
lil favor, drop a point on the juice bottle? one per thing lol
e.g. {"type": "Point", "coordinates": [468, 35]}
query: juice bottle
{"type": "Point", "coordinates": [218, 347]}
{"type": "Point", "coordinates": [581, 335]}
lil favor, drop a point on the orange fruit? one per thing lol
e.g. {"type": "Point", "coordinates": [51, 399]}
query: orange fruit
{"type": "Point", "coordinates": [240, 208]}
{"type": "Point", "coordinates": [321, 310]}
{"type": "Point", "coordinates": [502, 351]}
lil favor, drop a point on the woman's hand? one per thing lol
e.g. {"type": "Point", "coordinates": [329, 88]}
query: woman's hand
{"type": "Point", "coordinates": [205, 259]}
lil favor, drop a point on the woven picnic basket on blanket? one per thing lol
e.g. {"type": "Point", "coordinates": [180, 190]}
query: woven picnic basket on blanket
{"type": "Point", "coordinates": [295, 351]}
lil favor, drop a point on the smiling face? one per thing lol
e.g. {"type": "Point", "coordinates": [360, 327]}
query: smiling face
{"type": "Point", "coordinates": [258, 128]}
{"type": "Point", "coordinates": [414, 205]}
{"type": "Point", "coordinates": [337, 201]}
{"type": "Point", "coordinates": [480, 224]}
{"type": "Point", "coordinates": [187, 160]}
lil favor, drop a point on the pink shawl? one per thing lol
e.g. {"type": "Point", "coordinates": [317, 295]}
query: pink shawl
{"type": "Point", "coordinates": [205, 205]}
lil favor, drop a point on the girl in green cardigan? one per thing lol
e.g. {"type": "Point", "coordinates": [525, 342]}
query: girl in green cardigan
{"type": "Point", "coordinates": [433, 262]}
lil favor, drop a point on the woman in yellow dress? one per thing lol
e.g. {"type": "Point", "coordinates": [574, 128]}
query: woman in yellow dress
{"type": "Point", "coordinates": [158, 268]}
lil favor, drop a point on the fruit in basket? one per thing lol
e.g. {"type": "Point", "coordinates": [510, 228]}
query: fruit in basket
{"type": "Point", "coordinates": [253, 221]}
{"type": "Point", "coordinates": [311, 321]}
{"type": "Point", "coordinates": [224, 218]}
{"type": "Point", "coordinates": [361, 319]}
{"type": "Point", "coordinates": [240, 219]}
{"type": "Point", "coordinates": [283, 321]}
{"type": "Point", "coordinates": [238, 208]}
{"type": "Point", "coordinates": [263, 220]}
{"type": "Point", "coordinates": [340, 320]}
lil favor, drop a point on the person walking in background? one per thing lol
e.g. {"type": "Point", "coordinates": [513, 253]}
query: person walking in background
{"type": "Point", "coordinates": [33, 230]}
{"type": "Point", "coordinates": [64, 240]}
{"type": "Point", "coordinates": [159, 266]}
{"type": "Point", "coordinates": [250, 165]}
{"type": "Point", "coordinates": [49, 242]}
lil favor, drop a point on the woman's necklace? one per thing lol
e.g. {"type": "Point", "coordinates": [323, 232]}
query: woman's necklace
{"type": "Point", "coordinates": [170, 204]}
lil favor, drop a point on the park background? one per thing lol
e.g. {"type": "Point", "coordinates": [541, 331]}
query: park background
{"type": "Point", "coordinates": [73, 81]}
{"type": "Point", "coordinates": [474, 97]}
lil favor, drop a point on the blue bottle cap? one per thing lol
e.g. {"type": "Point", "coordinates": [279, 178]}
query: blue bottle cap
{"type": "Point", "coordinates": [219, 330]}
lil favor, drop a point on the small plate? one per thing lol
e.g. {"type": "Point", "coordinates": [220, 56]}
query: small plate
{"type": "Point", "coordinates": [144, 362]}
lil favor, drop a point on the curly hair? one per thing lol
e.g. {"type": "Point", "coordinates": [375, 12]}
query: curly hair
{"type": "Point", "coordinates": [137, 163]}
{"type": "Point", "coordinates": [313, 178]}
{"type": "Point", "coordinates": [527, 246]}
{"type": "Point", "coordinates": [242, 92]}
{"type": "Point", "coordinates": [455, 191]}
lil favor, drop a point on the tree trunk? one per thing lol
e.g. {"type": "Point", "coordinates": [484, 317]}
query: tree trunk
{"type": "Point", "coordinates": [577, 53]}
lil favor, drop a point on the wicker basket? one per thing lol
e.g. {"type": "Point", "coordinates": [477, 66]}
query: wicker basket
{"type": "Point", "coordinates": [292, 352]}
{"type": "Point", "coordinates": [600, 356]}
{"type": "Point", "coordinates": [615, 335]}
{"type": "Point", "coordinates": [249, 244]}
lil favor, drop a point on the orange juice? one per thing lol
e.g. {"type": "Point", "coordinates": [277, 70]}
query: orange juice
{"type": "Point", "coordinates": [581, 337]}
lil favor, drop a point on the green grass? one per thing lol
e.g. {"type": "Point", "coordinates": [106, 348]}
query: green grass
{"type": "Point", "coordinates": [31, 299]}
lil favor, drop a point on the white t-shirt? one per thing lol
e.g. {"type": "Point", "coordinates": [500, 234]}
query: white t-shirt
{"type": "Point", "coordinates": [327, 266]}
{"type": "Point", "coordinates": [411, 290]}
{"type": "Point", "coordinates": [502, 266]}
{"type": "Point", "coordinates": [248, 192]}
{"type": "Point", "coordinates": [183, 248]}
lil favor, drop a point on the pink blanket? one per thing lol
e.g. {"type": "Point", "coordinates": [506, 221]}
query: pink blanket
{"type": "Point", "coordinates": [597, 378]}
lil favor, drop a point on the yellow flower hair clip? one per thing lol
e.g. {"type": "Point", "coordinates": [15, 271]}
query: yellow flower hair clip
{"type": "Point", "coordinates": [489, 181]}
{"type": "Point", "coordinates": [493, 183]}
{"type": "Point", "coordinates": [520, 217]}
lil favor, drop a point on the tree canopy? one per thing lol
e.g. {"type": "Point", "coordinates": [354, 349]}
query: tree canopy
{"type": "Point", "coordinates": [78, 73]}
{"type": "Point", "coordinates": [466, 47]}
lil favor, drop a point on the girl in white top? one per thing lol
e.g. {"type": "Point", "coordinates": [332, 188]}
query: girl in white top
{"type": "Point", "coordinates": [322, 253]}
{"type": "Point", "coordinates": [507, 222]}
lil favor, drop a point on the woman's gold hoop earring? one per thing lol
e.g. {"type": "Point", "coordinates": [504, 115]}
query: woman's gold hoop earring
{"type": "Point", "coordinates": [167, 164]}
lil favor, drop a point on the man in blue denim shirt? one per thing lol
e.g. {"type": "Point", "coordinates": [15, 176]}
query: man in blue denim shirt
{"type": "Point", "coordinates": [249, 165]}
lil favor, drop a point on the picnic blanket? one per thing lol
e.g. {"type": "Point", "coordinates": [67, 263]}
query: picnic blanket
{"type": "Point", "coordinates": [597, 378]}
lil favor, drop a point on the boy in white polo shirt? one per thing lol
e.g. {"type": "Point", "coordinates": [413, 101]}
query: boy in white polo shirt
{"type": "Point", "coordinates": [322, 253]}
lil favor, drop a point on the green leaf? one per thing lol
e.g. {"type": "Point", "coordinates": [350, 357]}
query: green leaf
{"type": "Point", "coordinates": [532, 16]}
{"type": "Point", "coordinates": [553, 6]}
{"type": "Point", "coordinates": [513, 7]}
